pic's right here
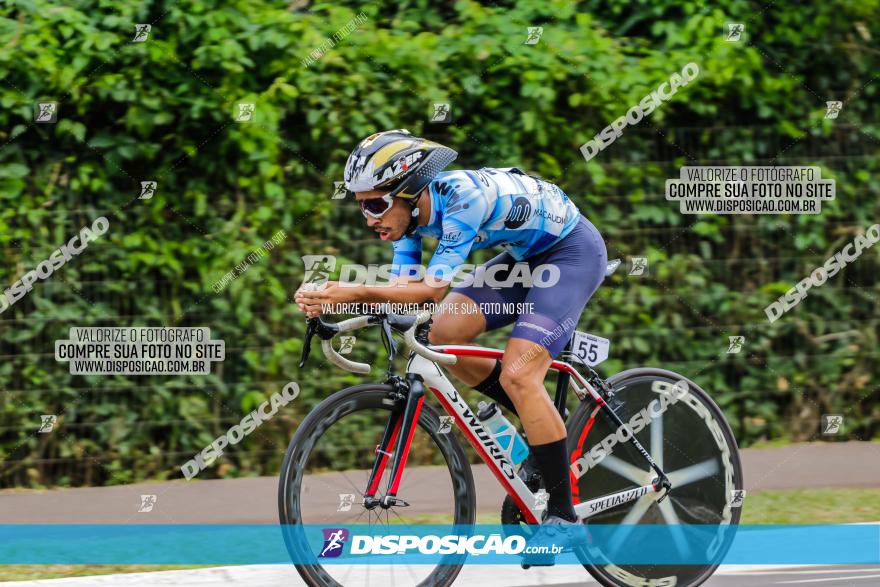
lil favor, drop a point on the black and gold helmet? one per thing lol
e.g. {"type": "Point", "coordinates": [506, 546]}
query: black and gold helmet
{"type": "Point", "coordinates": [397, 162]}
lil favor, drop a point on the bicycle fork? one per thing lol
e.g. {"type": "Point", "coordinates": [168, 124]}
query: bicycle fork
{"type": "Point", "coordinates": [397, 437]}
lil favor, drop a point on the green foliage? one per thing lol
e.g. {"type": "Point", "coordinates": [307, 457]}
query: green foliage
{"type": "Point", "coordinates": [164, 110]}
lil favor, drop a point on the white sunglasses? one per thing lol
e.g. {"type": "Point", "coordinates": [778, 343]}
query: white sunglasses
{"type": "Point", "coordinates": [376, 207]}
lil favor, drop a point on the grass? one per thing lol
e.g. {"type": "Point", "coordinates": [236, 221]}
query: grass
{"type": "Point", "coordinates": [796, 506]}
{"type": "Point", "coordinates": [34, 572]}
{"type": "Point", "coordinates": [812, 506]}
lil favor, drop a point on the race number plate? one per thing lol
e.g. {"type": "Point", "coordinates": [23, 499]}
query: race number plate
{"type": "Point", "coordinates": [589, 348]}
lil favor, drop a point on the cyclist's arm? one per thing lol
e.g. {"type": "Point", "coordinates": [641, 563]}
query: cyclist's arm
{"type": "Point", "coordinates": [404, 286]}
{"type": "Point", "coordinates": [466, 212]}
{"type": "Point", "coordinates": [469, 210]}
{"type": "Point", "coordinates": [407, 257]}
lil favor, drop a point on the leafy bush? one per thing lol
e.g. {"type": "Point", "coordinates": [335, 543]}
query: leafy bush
{"type": "Point", "coordinates": [163, 110]}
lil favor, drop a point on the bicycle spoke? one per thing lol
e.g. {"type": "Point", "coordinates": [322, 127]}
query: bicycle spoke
{"type": "Point", "coordinates": [693, 473]}
{"type": "Point", "coordinates": [352, 457]}
{"type": "Point", "coordinates": [353, 486]}
{"type": "Point", "coordinates": [626, 470]}
{"type": "Point", "coordinates": [667, 510]}
{"type": "Point", "coordinates": [632, 517]}
{"type": "Point", "coordinates": [657, 440]}
{"type": "Point", "coordinates": [689, 450]}
{"type": "Point", "coordinates": [346, 575]}
{"type": "Point", "coordinates": [398, 515]}
{"type": "Point", "coordinates": [411, 574]}
{"type": "Point", "coordinates": [360, 515]}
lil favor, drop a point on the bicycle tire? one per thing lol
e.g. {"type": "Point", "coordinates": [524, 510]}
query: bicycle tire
{"type": "Point", "coordinates": [611, 575]}
{"type": "Point", "coordinates": [331, 410]}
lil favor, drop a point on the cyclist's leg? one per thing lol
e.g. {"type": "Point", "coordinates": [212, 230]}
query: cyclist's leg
{"type": "Point", "coordinates": [537, 338]}
{"type": "Point", "coordinates": [524, 368]}
{"type": "Point", "coordinates": [460, 321]}
{"type": "Point", "coordinates": [470, 310]}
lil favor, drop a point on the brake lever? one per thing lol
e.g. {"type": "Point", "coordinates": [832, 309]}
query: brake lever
{"type": "Point", "coordinates": [390, 344]}
{"type": "Point", "coordinates": [324, 331]}
{"type": "Point", "coordinates": [311, 327]}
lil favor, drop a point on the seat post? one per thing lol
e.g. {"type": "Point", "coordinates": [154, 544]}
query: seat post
{"type": "Point", "coordinates": [562, 379]}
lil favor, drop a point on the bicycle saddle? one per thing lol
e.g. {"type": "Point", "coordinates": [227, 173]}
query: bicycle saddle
{"type": "Point", "coordinates": [612, 266]}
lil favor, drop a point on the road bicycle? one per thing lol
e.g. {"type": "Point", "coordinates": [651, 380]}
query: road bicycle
{"type": "Point", "coordinates": [647, 446]}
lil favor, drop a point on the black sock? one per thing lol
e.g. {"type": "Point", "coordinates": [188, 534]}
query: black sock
{"type": "Point", "coordinates": [551, 460]}
{"type": "Point", "coordinates": [491, 386]}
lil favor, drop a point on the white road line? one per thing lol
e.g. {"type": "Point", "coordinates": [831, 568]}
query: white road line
{"type": "Point", "coordinates": [807, 571]}
{"type": "Point", "coordinates": [483, 575]}
{"type": "Point", "coordinates": [823, 579]}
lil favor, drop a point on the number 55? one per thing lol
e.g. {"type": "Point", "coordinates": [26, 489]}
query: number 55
{"type": "Point", "coordinates": [589, 353]}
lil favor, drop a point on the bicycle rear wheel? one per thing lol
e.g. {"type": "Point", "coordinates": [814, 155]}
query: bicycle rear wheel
{"type": "Point", "coordinates": [326, 470]}
{"type": "Point", "coordinates": [686, 434]}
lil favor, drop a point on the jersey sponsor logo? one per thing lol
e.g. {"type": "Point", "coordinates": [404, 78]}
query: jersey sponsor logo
{"type": "Point", "coordinates": [519, 213]}
{"type": "Point", "coordinates": [451, 237]}
{"type": "Point", "coordinates": [548, 215]}
{"type": "Point", "coordinates": [455, 203]}
{"type": "Point", "coordinates": [444, 188]}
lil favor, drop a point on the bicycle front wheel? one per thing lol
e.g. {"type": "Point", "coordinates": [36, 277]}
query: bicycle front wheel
{"type": "Point", "coordinates": [685, 432]}
{"type": "Point", "coordinates": [326, 471]}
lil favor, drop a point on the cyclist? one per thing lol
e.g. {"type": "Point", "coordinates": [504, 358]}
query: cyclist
{"type": "Point", "coordinates": [403, 192]}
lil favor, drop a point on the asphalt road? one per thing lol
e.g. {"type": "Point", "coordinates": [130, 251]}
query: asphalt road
{"type": "Point", "coordinates": [482, 575]}
{"type": "Point", "coordinates": [238, 501]}
{"type": "Point", "coordinates": [797, 576]}
{"type": "Point", "coordinates": [254, 500]}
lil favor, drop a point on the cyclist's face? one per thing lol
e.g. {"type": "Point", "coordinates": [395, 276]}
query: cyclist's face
{"type": "Point", "coordinates": [391, 225]}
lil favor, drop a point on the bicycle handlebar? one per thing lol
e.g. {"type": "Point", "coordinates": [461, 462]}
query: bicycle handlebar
{"type": "Point", "coordinates": [418, 348]}
{"type": "Point", "coordinates": [337, 359]}
{"type": "Point", "coordinates": [327, 331]}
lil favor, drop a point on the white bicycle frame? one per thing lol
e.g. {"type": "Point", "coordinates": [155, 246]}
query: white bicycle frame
{"type": "Point", "coordinates": [424, 362]}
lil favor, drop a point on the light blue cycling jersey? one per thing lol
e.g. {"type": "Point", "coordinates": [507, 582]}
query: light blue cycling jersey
{"type": "Point", "coordinates": [490, 207]}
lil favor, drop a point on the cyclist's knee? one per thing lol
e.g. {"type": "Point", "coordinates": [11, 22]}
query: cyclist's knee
{"type": "Point", "coordinates": [517, 383]}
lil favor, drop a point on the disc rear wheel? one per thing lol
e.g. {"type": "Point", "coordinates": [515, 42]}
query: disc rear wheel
{"type": "Point", "coordinates": [686, 434]}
